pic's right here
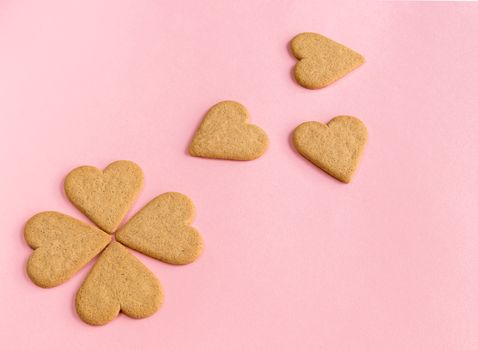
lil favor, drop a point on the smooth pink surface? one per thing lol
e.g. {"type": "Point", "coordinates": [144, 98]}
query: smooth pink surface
{"type": "Point", "coordinates": [293, 259]}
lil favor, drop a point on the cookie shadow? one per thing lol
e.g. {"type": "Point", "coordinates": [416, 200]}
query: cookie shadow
{"type": "Point", "coordinates": [21, 237]}
{"type": "Point", "coordinates": [62, 190]}
{"type": "Point", "coordinates": [24, 269]}
{"type": "Point", "coordinates": [292, 69]}
{"type": "Point", "coordinates": [191, 137]}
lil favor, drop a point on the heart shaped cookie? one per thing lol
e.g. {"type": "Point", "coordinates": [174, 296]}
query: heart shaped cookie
{"type": "Point", "coordinates": [322, 60]}
{"type": "Point", "coordinates": [105, 196]}
{"type": "Point", "coordinates": [225, 134]}
{"type": "Point", "coordinates": [118, 282]}
{"type": "Point", "coordinates": [63, 245]}
{"type": "Point", "coordinates": [162, 230]}
{"type": "Point", "coordinates": [335, 147]}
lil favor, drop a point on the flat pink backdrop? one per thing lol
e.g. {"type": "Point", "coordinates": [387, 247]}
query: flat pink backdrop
{"type": "Point", "coordinates": [293, 259]}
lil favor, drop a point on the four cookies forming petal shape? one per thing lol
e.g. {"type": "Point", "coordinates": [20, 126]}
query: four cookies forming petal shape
{"type": "Point", "coordinates": [118, 281]}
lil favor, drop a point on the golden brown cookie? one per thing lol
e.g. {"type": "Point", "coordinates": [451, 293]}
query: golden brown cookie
{"type": "Point", "coordinates": [335, 147]}
{"type": "Point", "coordinates": [225, 134]}
{"type": "Point", "coordinates": [118, 282]}
{"type": "Point", "coordinates": [105, 196]}
{"type": "Point", "coordinates": [162, 230]}
{"type": "Point", "coordinates": [63, 245]}
{"type": "Point", "coordinates": [322, 60]}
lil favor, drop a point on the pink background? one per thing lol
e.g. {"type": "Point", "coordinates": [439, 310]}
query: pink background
{"type": "Point", "coordinates": [294, 259]}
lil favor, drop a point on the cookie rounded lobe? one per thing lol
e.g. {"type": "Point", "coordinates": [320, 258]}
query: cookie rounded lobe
{"type": "Point", "coordinates": [306, 72]}
{"type": "Point", "coordinates": [302, 43]}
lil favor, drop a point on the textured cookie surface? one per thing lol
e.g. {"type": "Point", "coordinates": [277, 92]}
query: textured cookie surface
{"type": "Point", "coordinates": [162, 230]}
{"type": "Point", "coordinates": [105, 196]}
{"type": "Point", "coordinates": [322, 60]}
{"type": "Point", "coordinates": [63, 245]}
{"type": "Point", "coordinates": [335, 147]}
{"type": "Point", "coordinates": [225, 134]}
{"type": "Point", "coordinates": [118, 282]}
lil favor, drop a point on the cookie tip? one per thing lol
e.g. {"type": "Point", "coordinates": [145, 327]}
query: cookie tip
{"type": "Point", "coordinates": [192, 150]}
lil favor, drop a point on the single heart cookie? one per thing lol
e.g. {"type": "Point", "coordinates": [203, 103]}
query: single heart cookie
{"type": "Point", "coordinates": [63, 245]}
{"type": "Point", "coordinates": [335, 147]}
{"type": "Point", "coordinates": [322, 60]}
{"type": "Point", "coordinates": [225, 134]}
{"type": "Point", "coordinates": [118, 282]}
{"type": "Point", "coordinates": [105, 196]}
{"type": "Point", "coordinates": [162, 230]}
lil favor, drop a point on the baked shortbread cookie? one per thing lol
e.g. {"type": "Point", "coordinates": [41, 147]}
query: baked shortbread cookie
{"type": "Point", "coordinates": [105, 196]}
{"type": "Point", "coordinates": [335, 147]}
{"type": "Point", "coordinates": [322, 61]}
{"type": "Point", "coordinates": [63, 245]}
{"type": "Point", "coordinates": [225, 134]}
{"type": "Point", "coordinates": [162, 230]}
{"type": "Point", "coordinates": [118, 282]}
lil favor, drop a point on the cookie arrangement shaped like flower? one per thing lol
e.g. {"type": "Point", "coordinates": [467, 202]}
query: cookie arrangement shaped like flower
{"type": "Point", "coordinates": [118, 282]}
